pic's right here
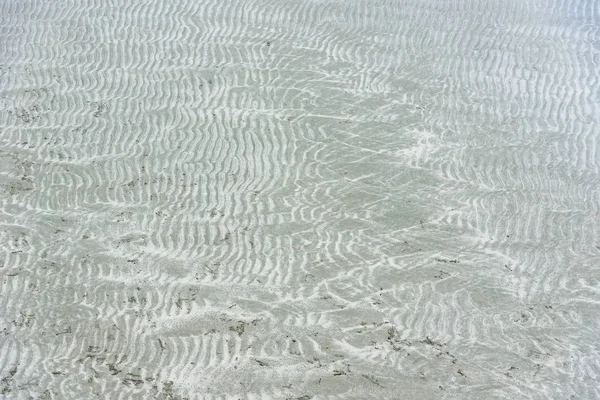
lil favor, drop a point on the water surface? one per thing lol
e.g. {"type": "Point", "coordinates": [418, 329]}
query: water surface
{"type": "Point", "coordinates": [319, 199]}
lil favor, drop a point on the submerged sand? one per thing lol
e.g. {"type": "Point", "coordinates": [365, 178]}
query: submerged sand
{"type": "Point", "coordinates": [299, 199]}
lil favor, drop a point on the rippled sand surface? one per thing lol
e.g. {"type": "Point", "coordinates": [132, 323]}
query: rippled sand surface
{"type": "Point", "coordinates": [300, 199]}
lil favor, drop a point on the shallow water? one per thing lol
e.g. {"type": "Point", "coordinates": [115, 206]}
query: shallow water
{"type": "Point", "coordinates": [316, 199]}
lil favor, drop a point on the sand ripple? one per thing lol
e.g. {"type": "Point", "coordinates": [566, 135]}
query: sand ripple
{"type": "Point", "coordinates": [299, 199]}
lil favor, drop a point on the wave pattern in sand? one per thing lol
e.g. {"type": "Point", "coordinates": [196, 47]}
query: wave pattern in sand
{"type": "Point", "coordinates": [299, 199]}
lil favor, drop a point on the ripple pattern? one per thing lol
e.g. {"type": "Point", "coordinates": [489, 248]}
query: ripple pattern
{"type": "Point", "coordinates": [292, 200]}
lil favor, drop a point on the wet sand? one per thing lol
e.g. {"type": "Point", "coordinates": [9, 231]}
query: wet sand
{"type": "Point", "coordinates": [299, 200]}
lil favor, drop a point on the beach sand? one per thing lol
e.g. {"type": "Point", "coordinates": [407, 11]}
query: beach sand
{"type": "Point", "coordinates": [313, 199]}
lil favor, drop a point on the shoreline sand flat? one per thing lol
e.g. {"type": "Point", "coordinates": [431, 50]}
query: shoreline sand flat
{"type": "Point", "coordinates": [299, 199]}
